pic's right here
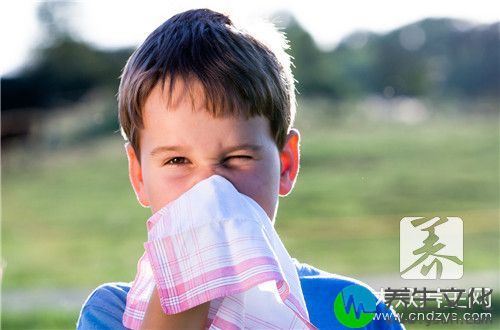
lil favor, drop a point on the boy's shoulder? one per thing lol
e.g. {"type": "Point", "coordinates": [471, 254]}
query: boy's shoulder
{"type": "Point", "coordinates": [104, 307]}
{"type": "Point", "coordinates": [318, 278]}
{"type": "Point", "coordinates": [321, 288]}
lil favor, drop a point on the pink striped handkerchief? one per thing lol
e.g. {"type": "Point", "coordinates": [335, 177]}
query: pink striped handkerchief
{"type": "Point", "coordinates": [216, 244]}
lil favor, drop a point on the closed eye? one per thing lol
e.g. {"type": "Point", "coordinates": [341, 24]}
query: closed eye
{"type": "Point", "coordinates": [238, 157]}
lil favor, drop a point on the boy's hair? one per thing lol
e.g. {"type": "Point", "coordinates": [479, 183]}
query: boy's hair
{"type": "Point", "coordinates": [239, 74]}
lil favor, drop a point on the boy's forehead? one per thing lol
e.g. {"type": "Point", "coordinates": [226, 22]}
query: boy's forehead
{"type": "Point", "coordinates": [186, 115]}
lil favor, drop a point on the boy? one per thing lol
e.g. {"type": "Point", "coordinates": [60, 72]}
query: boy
{"type": "Point", "coordinates": [199, 98]}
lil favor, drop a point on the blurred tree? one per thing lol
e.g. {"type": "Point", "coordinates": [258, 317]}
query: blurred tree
{"type": "Point", "coordinates": [355, 59]}
{"type": "Point", "coordinates": [64, 68]}
{"type": "Point", "coordinates": [474, 61]}
{"type": "Point", "coordinates": [398, 64]}
{"type": "Point", "coordinates": [309, 62]}
{"type": "Point", "coordinates": [438, 57]}
{"type": "Point", "coordinates": [63, 71]}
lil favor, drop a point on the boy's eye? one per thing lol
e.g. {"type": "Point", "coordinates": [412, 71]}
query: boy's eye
{"type": "Point", "coordinates": [176, 161]}
{"type": "Point", "coordinates": [183, 160]}
{"type": "Point", "coordinates": [238, 158]}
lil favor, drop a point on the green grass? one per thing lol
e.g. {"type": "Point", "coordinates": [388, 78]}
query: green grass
{"type": "Point", "coordinates": [42, 319]}
{"type": "Point", "coordinates": [71, 219]}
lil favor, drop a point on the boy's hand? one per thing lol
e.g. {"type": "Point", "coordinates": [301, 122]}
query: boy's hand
{"type": "Point", "coordinates": [155, 318]}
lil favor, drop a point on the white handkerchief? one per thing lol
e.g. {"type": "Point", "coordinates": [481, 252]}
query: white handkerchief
{"type": "Point", "coordinates": [216, 244]}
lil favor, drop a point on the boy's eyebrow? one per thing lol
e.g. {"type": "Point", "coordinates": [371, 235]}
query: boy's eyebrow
{"type": "Point", "coordinates": [245, 146]}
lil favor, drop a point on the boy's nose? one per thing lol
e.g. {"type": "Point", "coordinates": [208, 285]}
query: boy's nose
{"type": "Point", "coordinates": [207, 171]}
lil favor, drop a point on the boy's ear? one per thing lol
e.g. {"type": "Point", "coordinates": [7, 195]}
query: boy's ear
{"type": "Point", "coordinates": [135, 174]}
{"type": "Point", "coordinates": [289, 158]}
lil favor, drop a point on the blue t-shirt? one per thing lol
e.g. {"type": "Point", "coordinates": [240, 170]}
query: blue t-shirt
{"type": "Point", "coordinates": [104, 307]}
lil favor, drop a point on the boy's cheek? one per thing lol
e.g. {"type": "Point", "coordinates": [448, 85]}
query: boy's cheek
{"type": "Point", "coordinates": [161, 196]}
{"type": "Point", "coordinates": [163, 189]}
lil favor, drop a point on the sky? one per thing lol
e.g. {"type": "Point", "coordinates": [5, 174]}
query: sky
{"type": "Point", "coordinates": [113, 24]}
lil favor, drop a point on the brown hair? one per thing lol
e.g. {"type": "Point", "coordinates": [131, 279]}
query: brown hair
{"type": "Point", "coordinates": [238, 73]}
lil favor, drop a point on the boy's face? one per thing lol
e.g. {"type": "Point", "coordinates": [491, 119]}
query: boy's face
{"type": "Point", "coordinates": [181, 146]}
